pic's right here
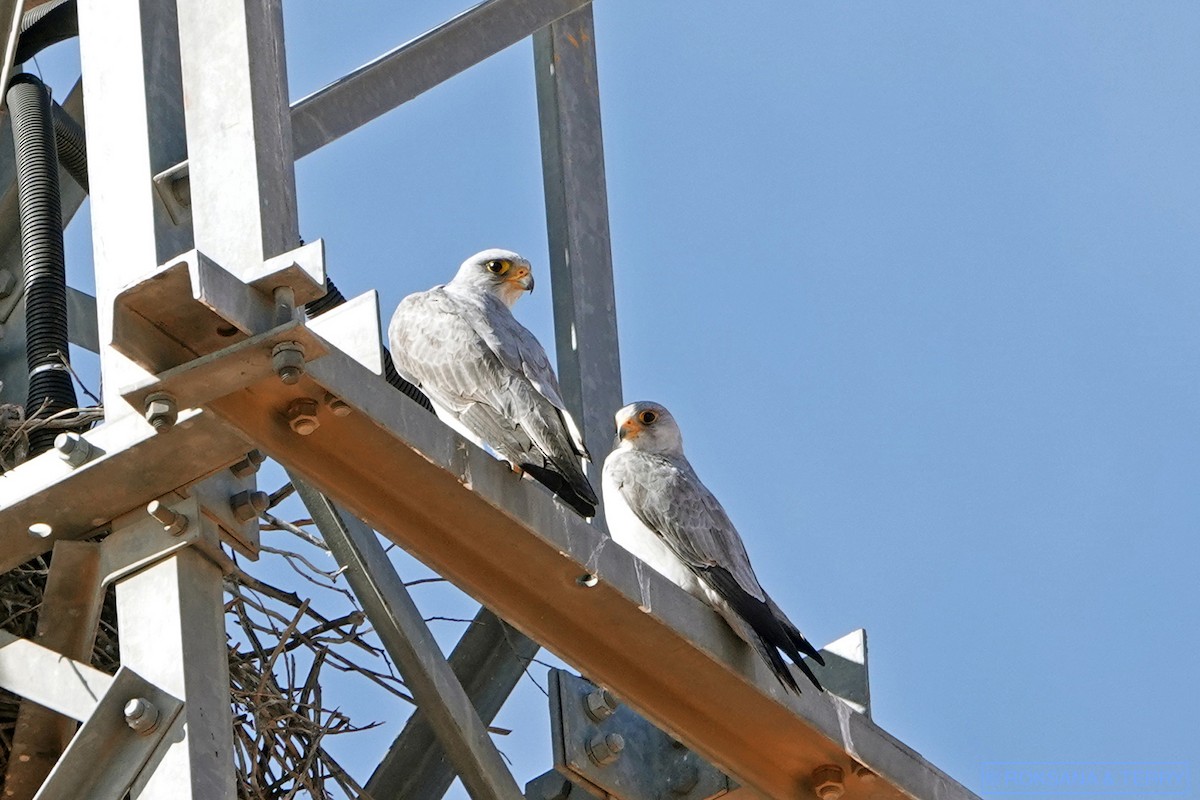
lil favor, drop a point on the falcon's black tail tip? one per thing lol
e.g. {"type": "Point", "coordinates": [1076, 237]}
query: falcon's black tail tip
{"type": "Point", "coordinates": [582, 498]}
{"type": "Point", "coordinates": [770, 631]}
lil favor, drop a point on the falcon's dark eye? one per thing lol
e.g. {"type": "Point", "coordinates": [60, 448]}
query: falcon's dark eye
{"type": "Point", "coordinates": [497, 267]}
{"type": "Point", "coordinates": [647, 417]}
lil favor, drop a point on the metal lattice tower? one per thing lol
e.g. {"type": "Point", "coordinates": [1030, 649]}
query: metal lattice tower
{"type": "Point", "coordinates": [206, 353]}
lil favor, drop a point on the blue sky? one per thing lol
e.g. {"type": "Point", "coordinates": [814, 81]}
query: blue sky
{"type": "Point", "coordinates": [919, 282]}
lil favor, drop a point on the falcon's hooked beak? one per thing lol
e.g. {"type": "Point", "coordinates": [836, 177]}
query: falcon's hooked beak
{"type": "Point", "coordinates": [522, 278]}
{"type": "Point", "coordinates": [629, 429]}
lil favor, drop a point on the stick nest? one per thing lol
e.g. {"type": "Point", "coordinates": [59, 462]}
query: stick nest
{"type": "Point", "coordinates": [279, 649]}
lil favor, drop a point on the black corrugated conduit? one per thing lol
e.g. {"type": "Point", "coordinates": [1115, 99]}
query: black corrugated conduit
{"type": "Point", "coordinates": [46, 25]}
{"type": "Point", "coordinates": [50, 387]}
{"type": "Point", "coordinates": [334, 298]}
{"type": "Point", "coordinates": [71, 144]}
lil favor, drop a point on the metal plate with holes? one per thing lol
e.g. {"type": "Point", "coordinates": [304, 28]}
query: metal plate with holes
{"type": "Point", "coordinates": [106, 754]}
{"type": "Point", "coordinates": [609, 748]}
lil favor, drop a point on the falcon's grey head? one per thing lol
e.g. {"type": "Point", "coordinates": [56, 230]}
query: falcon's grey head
{"type": "Point", "coordinates": [650, 427]}
{"type": "Point", "coordinates": [501, 273]}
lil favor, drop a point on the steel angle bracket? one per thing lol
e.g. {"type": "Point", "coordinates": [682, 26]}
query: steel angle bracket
{"type": "Point", "coordinates": [607, 748]}
{"type": "Point", "coordinates": [845, 674]}
{"type": "Point", "coordinates": [128, 463]}
{"type": "Point", "coordinates": [191, 306]}
{"type": "Point", "coordinates": [200, 380]}
{"type": "Point", "coordinates": [142, 541]}
{"type": "Point", "coordinates": [107, 754]}
{"type": "Point", "coordinates": [351, 330]}
{"type": "Point", "coordinates": [302, 270]}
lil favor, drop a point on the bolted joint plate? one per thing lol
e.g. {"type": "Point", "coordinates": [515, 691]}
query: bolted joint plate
{"type": "Point", "coordinates": [619, 753]}
{"type": "Point", "coordinates": [236, 366]}
{"type": "Point", "coordinates": [108, 753]}
{"type": "Point", "coordinates": [191, 306]}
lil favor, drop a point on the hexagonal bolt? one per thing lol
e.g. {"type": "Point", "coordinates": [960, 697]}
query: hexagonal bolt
{"type": "Point", "coordinates": [141, 715]}
{"type": "Point", "coordinates": [161, 410]}
{"type": "Point", "coordinates": [337, 405]}
{"type": "Point", "coordinates": [8, 282]}
{"type": "Point", "coordinates": [248, 465]}
{"type": "Point", "coordinates": [287, 358]}
{"type": "Point", "coordinates": [605, 748]}
{"type": "Point", "coordinates": [172, 521]}
{"type": "Point", "coordinates": [600, 704]}
{"type": "Point", "coordinates": [828, 782]}
{"type": "Point", "coordinates": [72, 448]}
{"type": "Point", "coordinates": [302, 416]}
{"type": "Point", "coordinates": [248, 505]}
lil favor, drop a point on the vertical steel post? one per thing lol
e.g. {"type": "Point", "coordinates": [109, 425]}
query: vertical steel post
{"type": "Point", "coordinates": [129, 52]}
{"type": "Point", "coordinates": [171, 615]}
{"type": "Point", "coordinates": [585, 321]}
{"type": "Point", "coordinates": [173, 635]}
{"type": "Point", "coordinates": [239, 128]}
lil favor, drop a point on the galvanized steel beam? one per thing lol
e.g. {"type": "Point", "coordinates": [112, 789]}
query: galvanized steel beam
{"type": "Point", "coordinates": [135, 130]}
{"type": "Point", "coordinates": [49, 678]}
{"type": "Point", "coordinates": [172, 620]}
{"type": "Point", "coordinates": [585, 316]}
{"type": "Point", "coordinates": [66, 623]}
{"type": "Point", "coordinates": [107, 755]}
{"type": "Point", "coordinates": [130, 464]}
{"type": "Point", "coordinates": [406, 637]}
{"type": "Point", "coordinates": [489, 660]}
{"type": "Point", "coordinates": [398, 76]}
{"type": "Point", "coordinates": [517, 550]}
{"type": "Point", "coordinates": [240, 163]}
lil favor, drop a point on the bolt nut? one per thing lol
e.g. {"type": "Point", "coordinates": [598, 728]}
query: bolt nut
{"type": "Point", "coordinates": [828, 782]}
{"type": "Point", "coordinates": [605, 748]}
{"type": "Point", "coordinates": [287, 358]}
{"type": "Point", "coordinates": [141, 715]}
{"type": "Point", "coordinates": [337, 405]}
{"type": "Point", "coordinates": [248, 465]}
{"type": "Point", "coordinates": [172, 521]}
{"type": "Point", "coordinates": [8, 282]}
{"type": "Point", "coordinates": [248, 505]}
{"type": "Point", "coordinates": [72, 448]}
{"type": "Point", "coordinates": [161, 410]}
{"type": "Point", "coordinates": [600, 705]}
{"type": "Point", "coordinates": [302, 416]}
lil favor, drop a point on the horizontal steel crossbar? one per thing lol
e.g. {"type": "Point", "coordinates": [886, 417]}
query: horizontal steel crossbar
{"type": "Point", "coordinates": [559, 580]}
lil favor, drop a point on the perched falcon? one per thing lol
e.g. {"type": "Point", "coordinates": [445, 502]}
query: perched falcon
{"type": "Point", "coordinates": [487, 376]}
{"type": "Point", "coordinates": [658, 509]}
